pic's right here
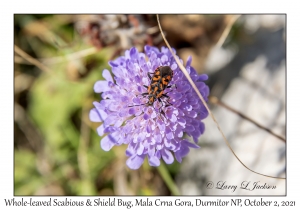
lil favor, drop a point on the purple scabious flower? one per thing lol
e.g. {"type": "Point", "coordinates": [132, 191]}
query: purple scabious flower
{"type": "Point", "coordinates": [154, 131]}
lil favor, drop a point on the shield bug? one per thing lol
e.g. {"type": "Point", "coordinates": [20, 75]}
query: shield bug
{"type": "Point", "coordinates": [158, 83]}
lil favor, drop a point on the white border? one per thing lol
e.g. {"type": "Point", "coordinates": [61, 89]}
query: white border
{"type": "Point", "coordinates": [8, 8]}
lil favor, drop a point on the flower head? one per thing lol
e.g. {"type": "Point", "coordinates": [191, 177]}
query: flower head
{"type": "Point", "coordinates": [155, 131]}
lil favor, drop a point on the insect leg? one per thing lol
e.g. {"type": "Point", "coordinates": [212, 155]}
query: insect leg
{"type": "Point", "coordinates": [168, 97]}
{"type": "Point", "coordinates": [164, 95]}
{"type": "Point", "coordinates": [149, 75]}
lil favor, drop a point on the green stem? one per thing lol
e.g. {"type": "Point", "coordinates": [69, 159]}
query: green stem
{"type": "Point", "coordinates": [168, 179]}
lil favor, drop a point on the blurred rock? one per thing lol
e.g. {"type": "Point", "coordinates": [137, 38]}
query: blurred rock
{"type": "Point", "coordinates": [253, 82]}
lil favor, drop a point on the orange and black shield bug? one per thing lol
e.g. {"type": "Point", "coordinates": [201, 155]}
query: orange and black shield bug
{"type": "Point", "coordinates": [158, 83]}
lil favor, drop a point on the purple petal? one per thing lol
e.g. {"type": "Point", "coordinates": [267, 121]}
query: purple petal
{"type": "Point", "coordinates": [169, 144]}
{"type": "Point", "coordinates": [184, 150]}
{"type": "Point", "coordinates": [200, 85]}
{"type": "Point", "coordinates": [153, 161]}
{"type": "Point", "coordinates": [123, 113]}
{"type": "Point", "coordinates": [203, 113]}
{"type": "Point", "coordinates": [169, 133]}
{"type": "Point", "coordinates": [101, 86]}
{"type": "Point", "coordinates": [164, 59]}
{"type": "Point", "coordinates": [127, 55]}
{"type": "Point", "coordinates": [157, 137]}
{"type": "Point", "coordinates": [153, 114]}
{"type": "Point", "coordinates": [146, 116]}
{"type": "Point", "coordinates": [158, 154]}
{"type": "Point", "coordinates": [202, 127]}
{"type": "Point", "coordinates": [181, 122]}
{"type": "Point", "coordinates": [202, 77]}
{"type": "Point", "coordinates": [196, 133]}
{"type": "Point", "coordinates": [179, 133]}
{"type": "Point", "coordinates": [161, 125]}
{"type": "Point", "coordinates": [151, 150]}
{"type": "Point", "coordinates": [135, 162]}
{"type": "Point", "coordinates": [189, 128]}
{"type": "Point", "coordinates": [140, 89]}
{"type": "Point", "coordinates": [131, 111]}
{"type": "Point", "coordinates": [192, 114]}
{"type": "Point", "coordinates": [95, 116]}
{"type": "Point", "coordinates": [139, 149]}
{"type": "Point", "coordinates": [148, 128]}
{"type": "Point", "coordinates": [189, 61]}
{"type": "Point", "coordinates": [153, 60]}
{"type": "Point", "coordinates": [106, 144]}
{"type": "Point", "coordinates": [136, 101]}
{"type": "Point", "coordinates": [142, 136]}
{"type": "Point", "coordinates": [158, 148]}
{"type": "Point", "coordinates": [189, 107]}
{"type": "Point", "coordinates": [135, 136]}
{"type": "Point", "coordinates": [174, 66]}
{"type": "Point", "coordinates": [173, 118]}
{"type": "Point", "coordinates": [167, 156]}
{"type": "Point", "coordinates": [130, 151]}
{"type": "Point", "coordinates": [175, 144]}
{"type": "Point", "coordinates": [142, 59]}
{"type": "Point", "coordinates": [134, 53]}
{"type": "Point", "coordinates": [102, 114]}
{"type": "Point", "coordinates": [176, 95]}
{"type": "Point", "coordinates": [100, 130]}
{"type": "Point", "coordinates": [178, 157]}
{"type": "Point", "coordinates": [189, 144]}
{"type": "Point", "coordinates": [109, 129]}
{"type": "Point", "coordinates": [114, 137]}
{"type": "Point", "coordinates": [148, 49]}
{"type": "Point", "coordinates": [113, 63]}
{"type": "Point", "coordinates": [118, 71]}
{"type": "Point", "coordinates": [169, 113]}
{"type": "Point", "coordinates": [130, 67]}
{"type": "Point", "coordinates": [106, 74]}
{"type": "Point", "coordinates": [137, 79]}
{"type": "Point", "coordinates": [110, 120]}
{"type": "Point", "coordinates": [183, 87]}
